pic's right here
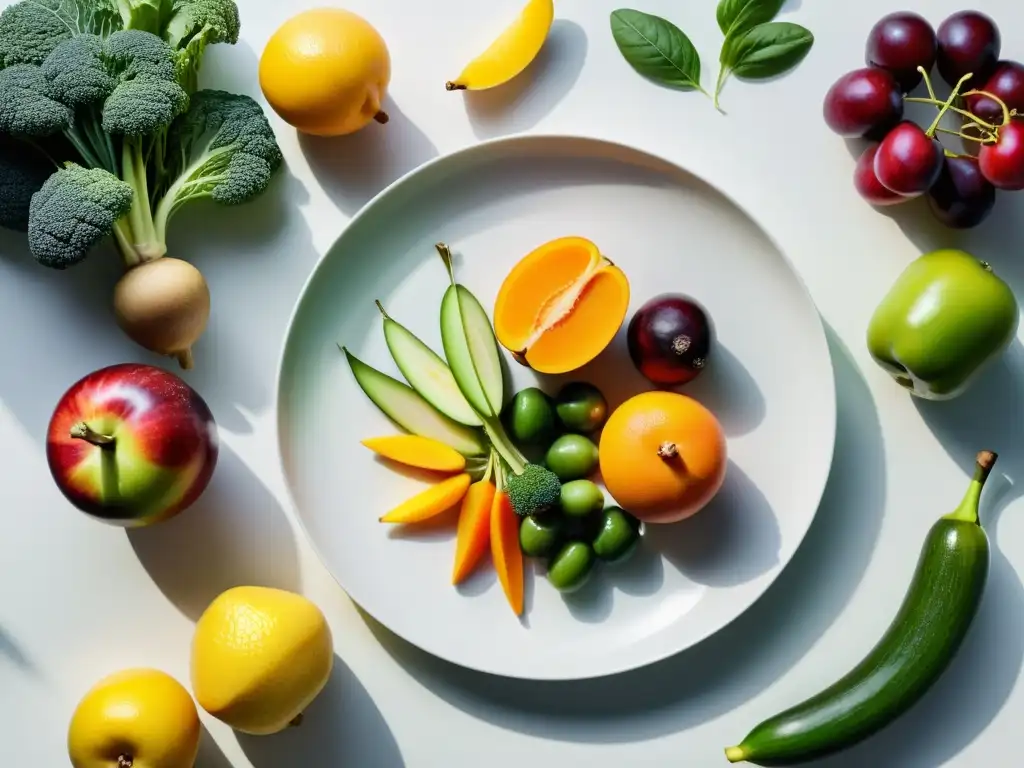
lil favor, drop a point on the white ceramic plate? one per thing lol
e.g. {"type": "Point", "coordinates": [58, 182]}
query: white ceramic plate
{"type": "Point", "coordinates": [769, 381]}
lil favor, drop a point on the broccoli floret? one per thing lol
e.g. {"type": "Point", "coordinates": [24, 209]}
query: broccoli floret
{"type": "Point", "coordinates": [225, 150]}
{"type": "Point", "coordinates": [75, 209]}
{"type": "Point", "coordinates": [148, 97]}
{"type": "Point", "coordinates": [32, 29]}
{"type": "Point", "coordinates": [25, 107]}
{"type": "Point", "coordinates": [76, 73]}
{"type": "Point", "coordinates": [23, 169]}
{"type": "Point", "coordinates": [534, 491]}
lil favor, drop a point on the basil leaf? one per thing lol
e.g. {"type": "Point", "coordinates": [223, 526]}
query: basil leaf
{"type": "Point", "coordinates": [767, 50]}
{"type": "Point", "coordinates": [737, 16]}
{"type": "Point", "coordinates": [656, 48]}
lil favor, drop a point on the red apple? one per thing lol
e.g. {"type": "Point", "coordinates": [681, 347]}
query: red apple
{"type": "Point", "coordinates": [132, 445]}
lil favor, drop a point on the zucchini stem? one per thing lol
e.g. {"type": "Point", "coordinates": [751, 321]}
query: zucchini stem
{"type": "Point", "coordinates": [735, 754]}
{"type": "Point", "coordinates": [968, 509]}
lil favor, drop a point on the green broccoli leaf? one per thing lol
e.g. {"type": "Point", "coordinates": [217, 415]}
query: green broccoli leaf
{"type": "Point", "coordinates": [146, 15]}
{"type": "Point", "coordinates": [23, 170]}
{"type": "Point", "coordinates": [25, 107]}
{"type": "Point", "coordinates": [215, 21]}
{"type": "Point", "coordinates": [31, 29]}
{"type": "Point", "coordinates": [72, 212]}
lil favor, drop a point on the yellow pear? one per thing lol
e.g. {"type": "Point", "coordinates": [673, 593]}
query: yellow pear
{"type": "Point", "coordinates": [259, 658]}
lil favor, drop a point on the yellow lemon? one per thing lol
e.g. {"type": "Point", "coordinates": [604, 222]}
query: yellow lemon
{"type": "Point", "coordinates": [136, 718]}
{"type": "Point", "coordinates": [259, 658]}
{"type": "Point", "coordinates": [326, 72]}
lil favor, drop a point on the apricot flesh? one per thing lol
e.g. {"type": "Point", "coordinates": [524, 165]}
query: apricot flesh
{"type": "Point", "coordinates": [560, 306]}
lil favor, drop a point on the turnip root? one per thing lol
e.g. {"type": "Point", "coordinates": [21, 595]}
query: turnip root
{"type": "Point", "coordinates": [163, 305]}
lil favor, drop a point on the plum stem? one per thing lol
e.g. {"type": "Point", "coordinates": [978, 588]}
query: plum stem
{"type": "Point", "coordinates": [957, 110]}
{"type": "Point", "coordinates": [928, 83]}
{"type": "Point", "coordinates": [981, 140]}
{"type": "Point", "coordinates": [1007, 114]}
{"type": "Point", "coordinates": [82, 431]}
{"type": "Point", "coordinates": [948, 103]}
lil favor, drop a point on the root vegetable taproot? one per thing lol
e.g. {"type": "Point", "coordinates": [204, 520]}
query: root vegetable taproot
{"type": "Point", "coordinates": [418, 452]}
{"type": "Point", "coordinates": [431, 502]}
{"type": "Point", "coordinates": [163, 305]}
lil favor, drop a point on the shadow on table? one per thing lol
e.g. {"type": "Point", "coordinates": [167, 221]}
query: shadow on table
{"type": "Point", "coordinates": [738, 662]}
{"type": "Point", "coordinates": [210, 754]}
{"type": "Point", "coordinates": [342, 727]}
{"type": "Point", "coordinates": [13, 652]}
{"type": "Point", "coordinates": [236, 534]}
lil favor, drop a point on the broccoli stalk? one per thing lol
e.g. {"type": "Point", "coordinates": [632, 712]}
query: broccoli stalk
{"type": "Point", "coordinates": [532, 489]}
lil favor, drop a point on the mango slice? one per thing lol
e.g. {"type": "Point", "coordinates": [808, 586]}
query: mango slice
{"type": "Point", "coordinates": [560, 306]}
{"type": "Point", "coordinates": [419, 452]}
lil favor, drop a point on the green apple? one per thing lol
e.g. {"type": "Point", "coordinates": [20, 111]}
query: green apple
{"type": "Point", "coordinates": [944, 319]}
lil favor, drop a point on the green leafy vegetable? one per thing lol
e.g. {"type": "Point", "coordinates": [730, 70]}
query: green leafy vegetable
{"type": "Point", "coordinates": [23, 170]}
{"type": "Point", "coordinates": [657, 49]}
{"type": "Point", "coordinates": [737, 16]}
{"type": "Point", "coordinates": [31, 29]}
{"type": "Point", "coordinates": [764, 51]}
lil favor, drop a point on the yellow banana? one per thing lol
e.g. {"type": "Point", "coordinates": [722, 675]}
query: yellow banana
{"type": "Point", "coordinates": [511, 53]}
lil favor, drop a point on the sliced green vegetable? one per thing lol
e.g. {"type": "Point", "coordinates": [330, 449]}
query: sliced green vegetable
{"type": "Point", "coordinates": [428, 374]}
{"type": "Point", "coordinates": [470, 345]}
{"type": "Point", "coordinates": [404, 406]}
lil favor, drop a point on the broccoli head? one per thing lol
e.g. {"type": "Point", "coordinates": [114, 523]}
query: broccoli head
{"type": "Point", "coordinates": [75, 209]}
{"type": "Point", "coordinates": [76, 73]}
{"type": "Point", "coordinates": [30, 30]}
{"type": "Point", "coordinates": [25, 107]}
{"type": "Point", "coordinates": [147, 97]}
{"type": "Point", "coordinates": [22, 172]}
{"type": "Point", "coordinates": [535, 491]}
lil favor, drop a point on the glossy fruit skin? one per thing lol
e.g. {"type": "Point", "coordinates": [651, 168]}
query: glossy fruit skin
{"type": "Point", "coordinates": [1007, 83]}
{"type": "Point", "coordinates": [868, 185]}
{"type": "Point", "coordinates": [571, 457]}
{"type": "Point", "coordinates": [670, 339]}
{"type": "Point", "coordinates": [901, 42]}
{"type": "Point", "coordinates": [571, 567]}
{"type": "Point", "coordinates": [968, 44]}
{"type": "Point", "coordinates": [581, 498]}
{"type": "Point", "coordinates": [581, 407]}
{"type": "Point", "coordinates": [922, 640]}
{"type": "Point", "coordinates": [1002, 163]}
{"type": "Point", "coordinates": [942, 322]}
{"type": "Point", "coordinates": [541, 537]}
{"type": "Point", "coordinates": [326, 71]}
{"type": "Point", "coordinates": [663, 456]}
{"type": "Point", "coordinates": [866, 102]}
{"type": "Point", "coordinates": [531, 417]}
{"type": "Point", "coordinates": [260, 656]}
{"type": "Point", "coordinates": [144, 716]}
{"type": "Point", "coordinates": [908, 161]}
{"type": "Point", "coordinates": [164, 445]}
{"type": "Point", "coordinates": [618, 536]}
{"type": "Point", "coordinates": [962, 197]}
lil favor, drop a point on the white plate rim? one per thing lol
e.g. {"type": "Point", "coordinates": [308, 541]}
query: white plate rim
{"type": "Point", "coordinates": [483, 147]}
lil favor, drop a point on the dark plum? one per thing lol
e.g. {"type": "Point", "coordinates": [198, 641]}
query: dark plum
{"type": "Point", "coordinates": [908, 160]}
{"type": "Point", "coordinates": [962, 197]}
{"type": "Point", "coordinates": [868, 185]}
{"type": "Point", "coordinates": [1002, 163]}
{"type": "Point", "coordinates": [669, 339]}
{"type": "Point", "coordinates": [968, 44]}
{"type": "Point", "coordinates": [901, 42]}
{"type": "Point", "coordinates": [1007, 83]}
{"type": "Point", "coordinates": [865, 102]}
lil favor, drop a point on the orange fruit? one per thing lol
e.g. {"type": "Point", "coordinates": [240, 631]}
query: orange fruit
{"type": "Point", "coordinates": [663, 456]}
{"type": "Point", "coordinates": [326, 71]}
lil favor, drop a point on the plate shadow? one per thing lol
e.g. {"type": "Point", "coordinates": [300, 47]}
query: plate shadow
{"type": "Point", "coordinates": [742, 659]}
{"type": "Point", "coordinates": [236, 534]}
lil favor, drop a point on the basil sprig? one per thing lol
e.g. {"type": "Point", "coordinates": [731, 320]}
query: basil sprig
{"type": "Point", "coordinates": [657, 49]}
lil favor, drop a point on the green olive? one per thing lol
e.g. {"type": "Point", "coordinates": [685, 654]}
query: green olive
{"type": "Point", "coordinates": [531, 417]}
{"type": "Point", "coordinates": [581, 498]}
{"type": "Point", "coordinates": [572, 457]}
{"type": "Point", "coordinates": [571, 567]}
{"type": "Point", "coordinates": [618, 535]}
{"type": "Point", "coordinates": [540, 537]}
{"type": "Point", "coordinates": [581, 407]}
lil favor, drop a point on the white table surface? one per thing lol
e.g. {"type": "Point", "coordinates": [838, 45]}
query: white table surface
{"type": "Point", "coordinates": [79, 599]}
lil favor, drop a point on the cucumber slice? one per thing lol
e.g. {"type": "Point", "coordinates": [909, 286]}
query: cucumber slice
{"type": "Point", "coordinates": [428, 374]}
{"type": "Point", "coordinates": [411, 412]}
{"type": "Point", "coordinates": [470, 346]}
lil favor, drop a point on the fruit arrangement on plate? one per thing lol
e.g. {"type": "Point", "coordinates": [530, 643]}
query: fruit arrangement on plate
{"type": "Point", "coordinates": [523, 470]}
{"type": "Point", "coordinates": [904, 160]}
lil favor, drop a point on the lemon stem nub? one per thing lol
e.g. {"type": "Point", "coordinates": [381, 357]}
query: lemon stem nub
{"type": "Point", "coordinates": [450, 86]}
{"type": "Point", "coordinates": [381, 117]}
{"type": "Point", "coordinates": [125, 761]}
{"type": "Point", "coordinates": [668, 450]}
{"type": "Point", "coordinates": [296, 721]}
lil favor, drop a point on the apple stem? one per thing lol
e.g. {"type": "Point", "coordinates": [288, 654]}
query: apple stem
{"type": "Point", "coordinates": [125, 761]}
{"type": "Point", "coordinates": [83, 431]}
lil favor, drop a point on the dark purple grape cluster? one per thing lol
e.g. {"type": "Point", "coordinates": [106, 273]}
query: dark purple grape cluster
{"type": "Point", "coordinates": [904, 160]}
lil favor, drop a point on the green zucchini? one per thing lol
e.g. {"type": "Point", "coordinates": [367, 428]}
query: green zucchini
{"type": "Point", "coordinates": [404, 406]}
{"type": "Point", "coordinates": [470, 345]}
{"type": "Point", "coordinates": [924, 637]}
{"type": "Point", "coordinates": [426, 372]}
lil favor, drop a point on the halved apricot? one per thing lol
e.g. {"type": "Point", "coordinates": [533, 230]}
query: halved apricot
{"type": "Point", "coordinates": [560, 306]}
